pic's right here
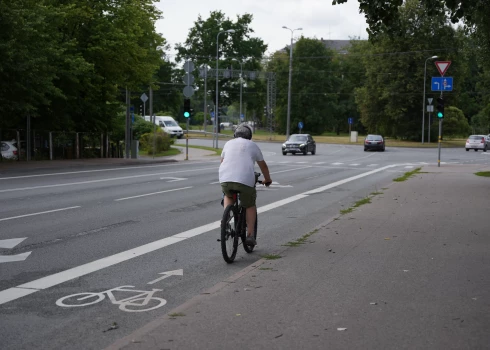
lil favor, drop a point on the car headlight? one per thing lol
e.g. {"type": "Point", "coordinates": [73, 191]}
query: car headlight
{"type": "Point", "coordinates": [302, 145]}
{"type": "Point", "coordinates": [283, 145]}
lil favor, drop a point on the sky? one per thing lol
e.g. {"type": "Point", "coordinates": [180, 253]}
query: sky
{"type": "Point", "coordinates": [318, 18]}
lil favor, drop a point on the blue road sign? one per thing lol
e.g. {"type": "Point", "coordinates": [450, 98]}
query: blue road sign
{"type": "Point", "coordinates": [131, 109]}
{"type": "Point", "coordinates": [212, 114]}
{"type": "Point", "coordinates": [300, 125]}
{"type": "Point", "coordinates": [350, 120]}
{"type": "Point", "coordinates": [242, 117]}
{"type": "Point", "coordinates": [442, 83]}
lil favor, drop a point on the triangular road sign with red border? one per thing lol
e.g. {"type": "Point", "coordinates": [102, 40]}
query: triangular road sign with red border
{"type": "Point", "coordinates": [442, 66]}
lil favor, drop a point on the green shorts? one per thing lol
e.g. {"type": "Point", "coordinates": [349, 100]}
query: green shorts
{"type": "Point", "coordinates": [248, 194]}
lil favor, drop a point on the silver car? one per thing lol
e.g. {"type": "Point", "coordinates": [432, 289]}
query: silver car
{"type": "Point", "coordinates": [477, 142]}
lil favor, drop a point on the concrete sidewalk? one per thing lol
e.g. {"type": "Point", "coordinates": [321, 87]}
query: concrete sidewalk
{"type": "Point", "coordinates": [193, 154]}
{"type": "Point", "coordinates": [410, 270]}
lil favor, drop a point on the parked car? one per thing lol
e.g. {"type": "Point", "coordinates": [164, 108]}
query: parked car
{"type": "Point", "coordinates": [9, 150]}
{"type": "Point", "coordinates": [374, 142]}
{"type": "Point", "coordinates": [477, 142]}
{"type": "Point", "coordinates": [299, 143]}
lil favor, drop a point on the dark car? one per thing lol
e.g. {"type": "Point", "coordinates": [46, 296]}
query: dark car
{"type": "Point", "coordinates": [374, 142]}
{"type": "Point", "coordinates": [299, 143]}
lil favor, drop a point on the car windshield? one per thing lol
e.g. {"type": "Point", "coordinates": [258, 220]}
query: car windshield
{"type": "Point", "coordinates": [297, 138]}
{"type": "Point", "coordinates": [170, 123]}
{"type": "Point", "coordinates": [476, 137]}
{"type": "Point", "coordinates": [374, 138]}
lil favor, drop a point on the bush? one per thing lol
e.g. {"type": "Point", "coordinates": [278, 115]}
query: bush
{"type": "Point", "coordinates": [162, 142]}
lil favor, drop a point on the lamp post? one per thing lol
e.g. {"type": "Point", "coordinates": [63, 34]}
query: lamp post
{"type": "Point", "coordinates": [241, 84]}
{"type": "Point", "coordinates": [423, 102]}
{"type": "Point", "coordinates": [216, 109]}
{"type": "Point", "coordinates": [288, 120]}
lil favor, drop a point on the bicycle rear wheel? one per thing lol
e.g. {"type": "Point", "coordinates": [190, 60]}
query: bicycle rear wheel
{"type": "Point", "coordinates": [229, 235]}
{"type": "Point", "coordinates": [249, 248]}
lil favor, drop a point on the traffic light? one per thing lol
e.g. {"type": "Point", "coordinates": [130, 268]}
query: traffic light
{"type": "Point", "coordinates": [440, 107]}
{"type": "Point", "coordinates": [192, 112]}
{"type": "Point", "coordinates": [187, 108]}
{"type": "Point", "coordinates": [265, 111]}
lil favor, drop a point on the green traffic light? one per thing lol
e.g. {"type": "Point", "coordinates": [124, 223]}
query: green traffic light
{"type": "Point", "coordinates": [440, 115]}
{"type": "Point", "coordinates": [187, 114]}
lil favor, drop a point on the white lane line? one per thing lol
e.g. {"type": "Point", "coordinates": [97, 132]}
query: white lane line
{"type": "Point", "coordinates": [355, 164]}
{"type": "Point", "coordinates": [42, 212]}
{"type": "Point", "coordinates": [273, 173]}
{"type": "Point", "coordinates": [300, 162]}
{"type": "Point", "coordinates": [341, 182]}
{"type": "Point", "coordinates": [372, 165]}
{"type": "Point", "coordinates": [82, 270]}
{"type": "Point", "coordinates": [104, 180]}
{"type": "Point", "coordinates": [151, 194]}
{"type": "Point", "coordinates": [100, 170]}
{"type": "Point", "coordinates": [337, 163]}
{"type": "Point", "coordinates": [317, 163]}
{"type": "Point", "coordinates": [409, 167]}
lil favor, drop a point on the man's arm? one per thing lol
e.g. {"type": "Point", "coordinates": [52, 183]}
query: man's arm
{"type": "Point", "coordinates": [265, 171]}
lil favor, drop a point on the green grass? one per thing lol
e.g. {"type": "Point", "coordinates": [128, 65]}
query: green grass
{"type": "Point", "coordinates": [171, 152]}
{"type": "Point", "coordinates": [177, 314]}
{"type": "Point", "coordinates": [356, 205]}
{"type": "Point", "coordinates": [301, 240]}
{"type": "Point", "coordinates": [375, 193]}
{"type": "Point", "coordinates": [407, 175]}
{"type": "Point", "coordinates": [483, 173]}
{"type": "Point", "coordinates": [271, 257]}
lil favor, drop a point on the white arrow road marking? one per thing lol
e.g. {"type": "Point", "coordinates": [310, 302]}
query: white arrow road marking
{"type": "Point", "coordinates": [28, 288]}
{"type": "Point", "coordinates": [151, 194]}
{"type": "Point", "coordinates": [12, 258]}
{"type": "Point", "coordinates": [10, 243]}
{"type": "Point", "coordinates": [173, 179]}
{"type": "Point", "coordinates": [43, 212]}
{"type": "Point", "coordinates": [168, 274]}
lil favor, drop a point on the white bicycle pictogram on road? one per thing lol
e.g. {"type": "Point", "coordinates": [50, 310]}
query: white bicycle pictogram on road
{"type": "Point", "coordinates": [134, 303]}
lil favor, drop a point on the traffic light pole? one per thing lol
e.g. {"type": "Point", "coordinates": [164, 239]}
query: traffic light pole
{"type": "Point", "coordinates": [440, 134]}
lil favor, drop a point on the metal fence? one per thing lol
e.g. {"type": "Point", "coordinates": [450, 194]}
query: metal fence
{"type": "Point", "coordinates": [55, 145]}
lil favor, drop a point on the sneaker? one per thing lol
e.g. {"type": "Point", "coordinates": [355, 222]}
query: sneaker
{"type": "Point", "coordinates": [250, 241]}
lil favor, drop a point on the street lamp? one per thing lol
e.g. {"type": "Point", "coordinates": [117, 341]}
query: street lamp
{"type": "Point", "coordinates": [423, 102]}
{"type": "Point", "coordinates": [290, 75]}
{"type": "Point", "coordinates": [216, 109]}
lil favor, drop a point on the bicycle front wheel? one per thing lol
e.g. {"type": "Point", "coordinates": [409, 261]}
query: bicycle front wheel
{"type": "Point", "coordinates": [249, 248]}
{"type": "Point", "coordinates": [229, 235]}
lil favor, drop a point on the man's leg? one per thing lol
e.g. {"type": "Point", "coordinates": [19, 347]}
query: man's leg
{"type": "Point", "coordinates": [228, 201]}
{"type": "Point", "coordinates": [251, 217]}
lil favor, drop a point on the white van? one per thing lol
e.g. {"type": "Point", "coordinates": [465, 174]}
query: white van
{"type": "Point", "coordinates": [168, 124]}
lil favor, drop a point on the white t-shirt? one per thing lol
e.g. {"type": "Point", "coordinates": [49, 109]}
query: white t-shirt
{"type": "Point", "coordinates": [239, 156]}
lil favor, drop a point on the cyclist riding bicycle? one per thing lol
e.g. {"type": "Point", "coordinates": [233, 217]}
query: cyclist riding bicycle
{"type": "Point", "coordinates": [236, 173]}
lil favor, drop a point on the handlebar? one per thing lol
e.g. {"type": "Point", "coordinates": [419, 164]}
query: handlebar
{"type": "Point", "coordinates": [257, 175]}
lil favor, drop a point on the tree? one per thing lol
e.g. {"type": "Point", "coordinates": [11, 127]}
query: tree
{"type": "Point", "coordinates": [390, 101]}
{"type": "Point", "coordinates": [200, 47]}
{"type": "Point", "coordinates": [314, 93]}
{"type": "Point", "coordinates": [455, 123]}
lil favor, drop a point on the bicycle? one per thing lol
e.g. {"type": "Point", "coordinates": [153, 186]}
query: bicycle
{"type": "Point", "coordinates": [234, 227]}
{"type": "Point", "coordinates": [127, 304]}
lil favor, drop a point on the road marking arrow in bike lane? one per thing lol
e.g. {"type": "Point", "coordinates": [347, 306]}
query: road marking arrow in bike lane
{"type": "Point", "coordinates": [9, 244]}
{"type": "Point", "coordinates": [168, 274]}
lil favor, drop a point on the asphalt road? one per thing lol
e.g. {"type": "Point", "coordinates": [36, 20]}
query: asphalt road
{"type": "Point", "coordinates": [156, 226]}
